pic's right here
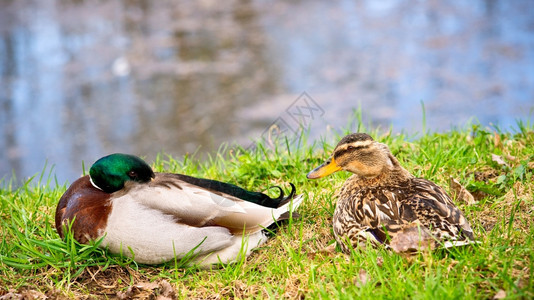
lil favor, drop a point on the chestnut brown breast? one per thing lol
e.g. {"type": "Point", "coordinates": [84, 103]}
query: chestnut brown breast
{"type": "Point", "coordinates": [88, 205]}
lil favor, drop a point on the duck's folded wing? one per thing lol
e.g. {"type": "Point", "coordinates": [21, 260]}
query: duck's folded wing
{"type": "Point", "coordinates": [434, 208]}
{"type": "Point", "coordinates": [197, 206]}
{"type": "Point", "coordinates": [407, 216]}
{"type": "Point", "coordinates": [256, 217]}
{"type": "Point", "coordinates": [228, 190]}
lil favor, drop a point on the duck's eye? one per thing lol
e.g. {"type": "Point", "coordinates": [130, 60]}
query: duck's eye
{"type": "Point", "coordinates": [353, 148]}
{"type": "Point", "coordinates": [132, 174]}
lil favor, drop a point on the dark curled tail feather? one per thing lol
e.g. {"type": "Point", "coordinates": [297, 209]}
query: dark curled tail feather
{"type": "Point", "coordinates": [219, 187]}
{"type": "Point", "coordinates": [281, 200]}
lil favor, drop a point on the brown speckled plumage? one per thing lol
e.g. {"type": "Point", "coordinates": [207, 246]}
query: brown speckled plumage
{"type": "Point", "coordinates": [382, 201]}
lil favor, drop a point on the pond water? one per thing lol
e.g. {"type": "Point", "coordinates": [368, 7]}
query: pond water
{"type": "Point", "coordinates": [82, 79]}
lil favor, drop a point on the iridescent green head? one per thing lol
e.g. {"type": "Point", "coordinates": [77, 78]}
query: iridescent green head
{"type": "Point", "coordinates": [111, 172]}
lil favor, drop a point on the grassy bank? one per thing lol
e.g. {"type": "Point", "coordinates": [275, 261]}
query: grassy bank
{"type": "Point", "coordinates": [496, 167]}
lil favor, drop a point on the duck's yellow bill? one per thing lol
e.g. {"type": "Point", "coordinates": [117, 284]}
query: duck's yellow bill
{"type": "Point", "coordinates": [329, 167]}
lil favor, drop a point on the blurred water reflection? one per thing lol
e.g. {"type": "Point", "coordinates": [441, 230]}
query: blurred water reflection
{"type": "Point", "coordinates": [81, 79]}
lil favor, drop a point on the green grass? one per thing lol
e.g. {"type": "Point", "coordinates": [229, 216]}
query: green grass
{"type": "Point", "coordinates": [34, 260]}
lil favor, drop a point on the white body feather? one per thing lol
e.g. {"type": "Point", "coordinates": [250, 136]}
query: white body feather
{"type": "Point", "coordinates": [146, 221]}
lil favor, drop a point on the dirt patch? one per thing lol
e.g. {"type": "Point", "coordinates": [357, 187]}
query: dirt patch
{"type": "Point", "coordinates": [160, 290]}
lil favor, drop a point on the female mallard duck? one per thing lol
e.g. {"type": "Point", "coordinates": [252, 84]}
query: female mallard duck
{"type": "Point", "coordinates": [384, 203]}
{"type": "Point", "coordinates": [155, 217]}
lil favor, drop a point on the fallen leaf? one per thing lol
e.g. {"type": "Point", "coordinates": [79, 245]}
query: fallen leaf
{"type": "Point", "coordinates": [498, 159]}
{"type": "Point", "coordinates": [328, 251]}
{"type": "Point", "coordinates": [412, 238]}
{"type": "Point", "coordinates": [26, 294]}
{"type": "Point", "coordinates": [460, 192]}
{"type": "Point", "coordinates": [362, 279]}
{"type": "Point", "coordinates": [32, 294]}
{"type": "Point", "coordinates": [497, 140]}
{"type": "Point", "coordinates": [148, 286]}
{"type": "Point", "coordinates": [11, 296]}
{"type": "Point", "coordinates": [501, 294]}
{"type": "Point", "coordinates": [161, 290]}
{"type": "Point", "coordinates": [379, 261]}
{"type": "Point", "coordinates": [511, 158]}
{"type": "Point", "coordinates": [331, 249]}
{"type": "Point", "coordinates": [167, 291]}
{"type": "Point", "coordinates": [126, 294]}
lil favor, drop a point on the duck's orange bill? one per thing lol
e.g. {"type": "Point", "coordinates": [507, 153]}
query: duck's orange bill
{"type": "Point", "coordinates": [329, 167]}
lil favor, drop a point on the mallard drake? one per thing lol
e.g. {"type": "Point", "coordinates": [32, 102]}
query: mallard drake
{"type": "Point", "coordinates": [155, 217]}
{"type": "Point", "coordinates": [384, 203]}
